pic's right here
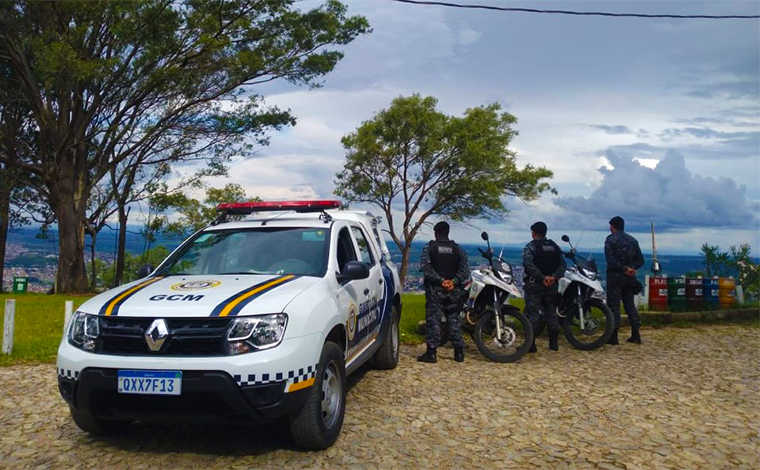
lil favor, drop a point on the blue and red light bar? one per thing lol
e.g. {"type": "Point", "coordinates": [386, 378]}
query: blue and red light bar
{"type": "Point", "coordinates": [268, 206]}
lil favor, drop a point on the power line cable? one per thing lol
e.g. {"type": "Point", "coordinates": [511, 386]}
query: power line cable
{"type": "Point", "coordinates": [576, 13]}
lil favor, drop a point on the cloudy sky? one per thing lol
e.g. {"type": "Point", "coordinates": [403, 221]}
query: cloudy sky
{"type": "Point", "coordinates": [656, 120]}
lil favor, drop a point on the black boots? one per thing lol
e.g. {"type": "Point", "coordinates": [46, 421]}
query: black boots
{"type": "Point", "coordinates": [533, 347]}
{"type": "Point", "coordinates": [635, 338]}
{"type": "Point", "coordinates": [430, 356]}
{"type": "Point", "coordinates": [459, 354]}
{"type": "Point", "coordinates": [614, 338]}
{"type": "Point", "coordinates": [553, 340]}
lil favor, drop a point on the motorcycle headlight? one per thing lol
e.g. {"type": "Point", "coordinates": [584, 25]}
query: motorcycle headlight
{"type": "Point", "coordinates": [589, 274]}
{"type": "Point", "coordinates": [84, 330]}
{"type": "Point", "coordinates": [258, 332]}
{"type": "Point", "coordinates": [506, 271]}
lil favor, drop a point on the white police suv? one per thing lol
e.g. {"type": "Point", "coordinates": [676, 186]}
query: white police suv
{"type": "Point", "coordinates": [247, 321]}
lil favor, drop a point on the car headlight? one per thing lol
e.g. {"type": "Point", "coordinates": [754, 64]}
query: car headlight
{"type": "Point", "coordinates": [258, 332]}
{"type": "Point", "coordinates": [84, 330]}
{"type": "Point", "coordinates": [589, 274]}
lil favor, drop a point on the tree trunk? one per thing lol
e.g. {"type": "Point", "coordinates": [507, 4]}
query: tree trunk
{"type": "Point", "coordinates": [72, 275]}
{"type": "Point", "coordinates": [93, 274]}
{"type": "Point", "coordinates": [122, 247]}
{"type": "Point", "coordinates": [405, 252]}
{"type": "Point", "coordinates": [5, 207]}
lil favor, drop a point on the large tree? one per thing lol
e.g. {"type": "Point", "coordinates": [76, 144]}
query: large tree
{"type": "Point", "coordinates": [110, 80]}
{"type": "Point", "coordinates": [420, 162]}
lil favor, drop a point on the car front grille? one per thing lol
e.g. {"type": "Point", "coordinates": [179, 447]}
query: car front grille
{"type": "Point", "coordinates": [187, 336]}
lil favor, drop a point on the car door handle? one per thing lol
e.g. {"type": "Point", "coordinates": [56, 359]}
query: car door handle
{"type": "Point", "coordinates": [366, 291]}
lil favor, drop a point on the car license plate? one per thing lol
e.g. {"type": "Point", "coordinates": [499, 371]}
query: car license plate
{"type": "Point", "coordinates": [150, 382]}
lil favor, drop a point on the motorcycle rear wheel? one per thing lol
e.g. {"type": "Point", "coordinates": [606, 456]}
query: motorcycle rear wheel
{"type": "Point", "coordinates": [516, 331]}
{"type": "Point", "coordinates": [597, 330]}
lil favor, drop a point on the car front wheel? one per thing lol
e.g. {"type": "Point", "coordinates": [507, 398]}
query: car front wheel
{"type": "Point", "coordinates": [317, 425]}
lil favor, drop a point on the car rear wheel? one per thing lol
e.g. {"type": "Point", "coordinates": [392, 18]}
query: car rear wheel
{"type": "Point", "coordinates": [387, 356]}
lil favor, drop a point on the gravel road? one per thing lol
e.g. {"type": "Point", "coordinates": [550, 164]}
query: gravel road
{"type": "Point", "coordinates": [686, 398]}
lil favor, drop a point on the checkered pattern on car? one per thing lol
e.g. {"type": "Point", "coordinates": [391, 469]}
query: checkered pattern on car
{"type": "Point", "coordinates": [69, 374]}
{"type": "Point", "coordinates": [292, 376]}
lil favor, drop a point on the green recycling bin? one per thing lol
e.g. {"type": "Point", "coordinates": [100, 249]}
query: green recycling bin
{"type": "Point", "coordinates": [20, 284]}
{"type": "Point", "coordinates": [677, 294]}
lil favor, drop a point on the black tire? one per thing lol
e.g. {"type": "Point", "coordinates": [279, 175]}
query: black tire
{"type": "Point", "coordinates": [516, 327]}
{"type": "Point", "coordinates": [387, 356]}
{"type": "Point", "coordinates": [95, 426]}
{"type": "Point", "coordinates": [315, 427]}
{"type": "Point", "coordinates": [594, 336]}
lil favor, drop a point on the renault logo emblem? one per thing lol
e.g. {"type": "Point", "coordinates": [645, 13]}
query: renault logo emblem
{"type": "Point", "coordinates": [156, 334]}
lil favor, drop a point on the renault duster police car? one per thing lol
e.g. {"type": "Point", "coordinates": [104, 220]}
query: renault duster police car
{"type": "Point", "coordinates": [247, 321]}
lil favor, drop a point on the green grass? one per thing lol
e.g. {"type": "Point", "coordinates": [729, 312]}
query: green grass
{"type": "Point", "coordinates": [38, 326]}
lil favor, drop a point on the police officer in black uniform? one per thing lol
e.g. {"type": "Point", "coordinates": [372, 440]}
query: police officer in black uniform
{"type": "Point", "coordinates": [445, 266]}
{"type": "Point", "coordinates": [544, 266]}
{"type": "Point", "coordinates": [623, 259]}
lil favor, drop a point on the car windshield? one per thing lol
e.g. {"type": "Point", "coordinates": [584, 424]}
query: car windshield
{"type": "Point", "coordinates": [280, 250]}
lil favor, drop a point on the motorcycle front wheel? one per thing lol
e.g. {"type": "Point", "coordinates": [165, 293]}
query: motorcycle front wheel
{"type": "Point", "coordinates": [597, 328]}
{"type": "Point", "coordinates": [516, 335]}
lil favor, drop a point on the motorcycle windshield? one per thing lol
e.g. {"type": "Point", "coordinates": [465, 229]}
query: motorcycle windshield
{"type": "Point", "coordinates": [583, 263]}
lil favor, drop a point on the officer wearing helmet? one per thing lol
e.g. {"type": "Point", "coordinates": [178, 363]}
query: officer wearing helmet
{"type": "Point", "coordinates": [544, 266]}
{"type": "Point", "coordinates": [445, 266]}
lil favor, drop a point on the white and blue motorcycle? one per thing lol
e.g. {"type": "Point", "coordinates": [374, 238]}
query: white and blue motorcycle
{"type": "Point", "coordinates": [501, 332]}
{"type": "Point", "coordinates": [585, 318]}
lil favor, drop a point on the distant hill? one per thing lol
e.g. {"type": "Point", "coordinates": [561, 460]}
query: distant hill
{"type": "Point", "coordinates": [106, 241]}
{"type": "Point", "coordinates": [672, 265]}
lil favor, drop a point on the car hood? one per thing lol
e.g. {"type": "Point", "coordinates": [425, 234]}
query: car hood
{"type": "Point", "coordinates": [200, 296]}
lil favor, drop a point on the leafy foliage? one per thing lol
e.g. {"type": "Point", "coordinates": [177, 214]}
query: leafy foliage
{"type": "Point", "coordinates": [413, 158]}
{"type": "Point", "coordinates": [150, 82]}
{"type": "Point", "coordinates": [193, 214]}
{"type": "Point", "coordinates": [132, 263]}
{"type": "Point", "coordinates": [736, 262]}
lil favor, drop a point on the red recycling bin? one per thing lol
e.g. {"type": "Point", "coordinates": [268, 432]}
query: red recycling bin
{"type": "Point", "coordinates": [658, 293]}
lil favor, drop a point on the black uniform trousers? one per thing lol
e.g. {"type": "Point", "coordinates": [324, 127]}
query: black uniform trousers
{"type": "Point", "coordinates": [541, 299]}
{"type": "Point", "coordinates": [621, 287]}
{"type": "Point", "coordinates": [439, 302]}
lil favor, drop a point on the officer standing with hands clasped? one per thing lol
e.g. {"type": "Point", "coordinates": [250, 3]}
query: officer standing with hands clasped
{"type": "Point", "coordinates": [623, 259]}
{"type": "Point", "coordinates": [445, 266]}
{"type": "Point", "coordinates": [544, 266]}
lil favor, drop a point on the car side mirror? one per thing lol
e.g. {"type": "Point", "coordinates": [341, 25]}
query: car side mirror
{"type": "Point", "coordinates": [484, 236]}
{"type": "Point", "coordinates": [565, 238]}
{"type": "Point", "coordinates": [354, 270]}
{"type": "Point", "coordinates": [145, 271]}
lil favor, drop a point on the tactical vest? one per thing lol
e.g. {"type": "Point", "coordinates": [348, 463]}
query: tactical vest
{"type": "Point", "coordinates": [546, 255]}
{"type": "Point", "coordinates": [444, 256]}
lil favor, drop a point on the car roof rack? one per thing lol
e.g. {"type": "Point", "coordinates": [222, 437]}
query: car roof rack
{"type": "Point", "coordinates": [246, 208]}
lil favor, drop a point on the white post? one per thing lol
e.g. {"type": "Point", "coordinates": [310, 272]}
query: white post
{"type": "Point", "coordinates": [646, 289]}
{"type": "Point", "coordinates": [10, 312]}
{"type": "Point", "coordinates": [739, 295]}
{"type": "Point", "coordinates": [67, 314]}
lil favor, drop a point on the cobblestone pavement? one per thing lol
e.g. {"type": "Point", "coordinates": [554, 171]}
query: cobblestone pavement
{"type": "Point", "coordinates": [686, 398]}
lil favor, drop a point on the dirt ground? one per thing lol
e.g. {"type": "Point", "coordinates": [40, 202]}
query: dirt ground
{"type": "Point", "coordinates": [686, 398]}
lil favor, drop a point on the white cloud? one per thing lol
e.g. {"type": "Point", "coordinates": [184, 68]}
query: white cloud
{"type": "Point", "coordinates": [468, 36]}
{"type": "Point", "coordinates": [668, 194]}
